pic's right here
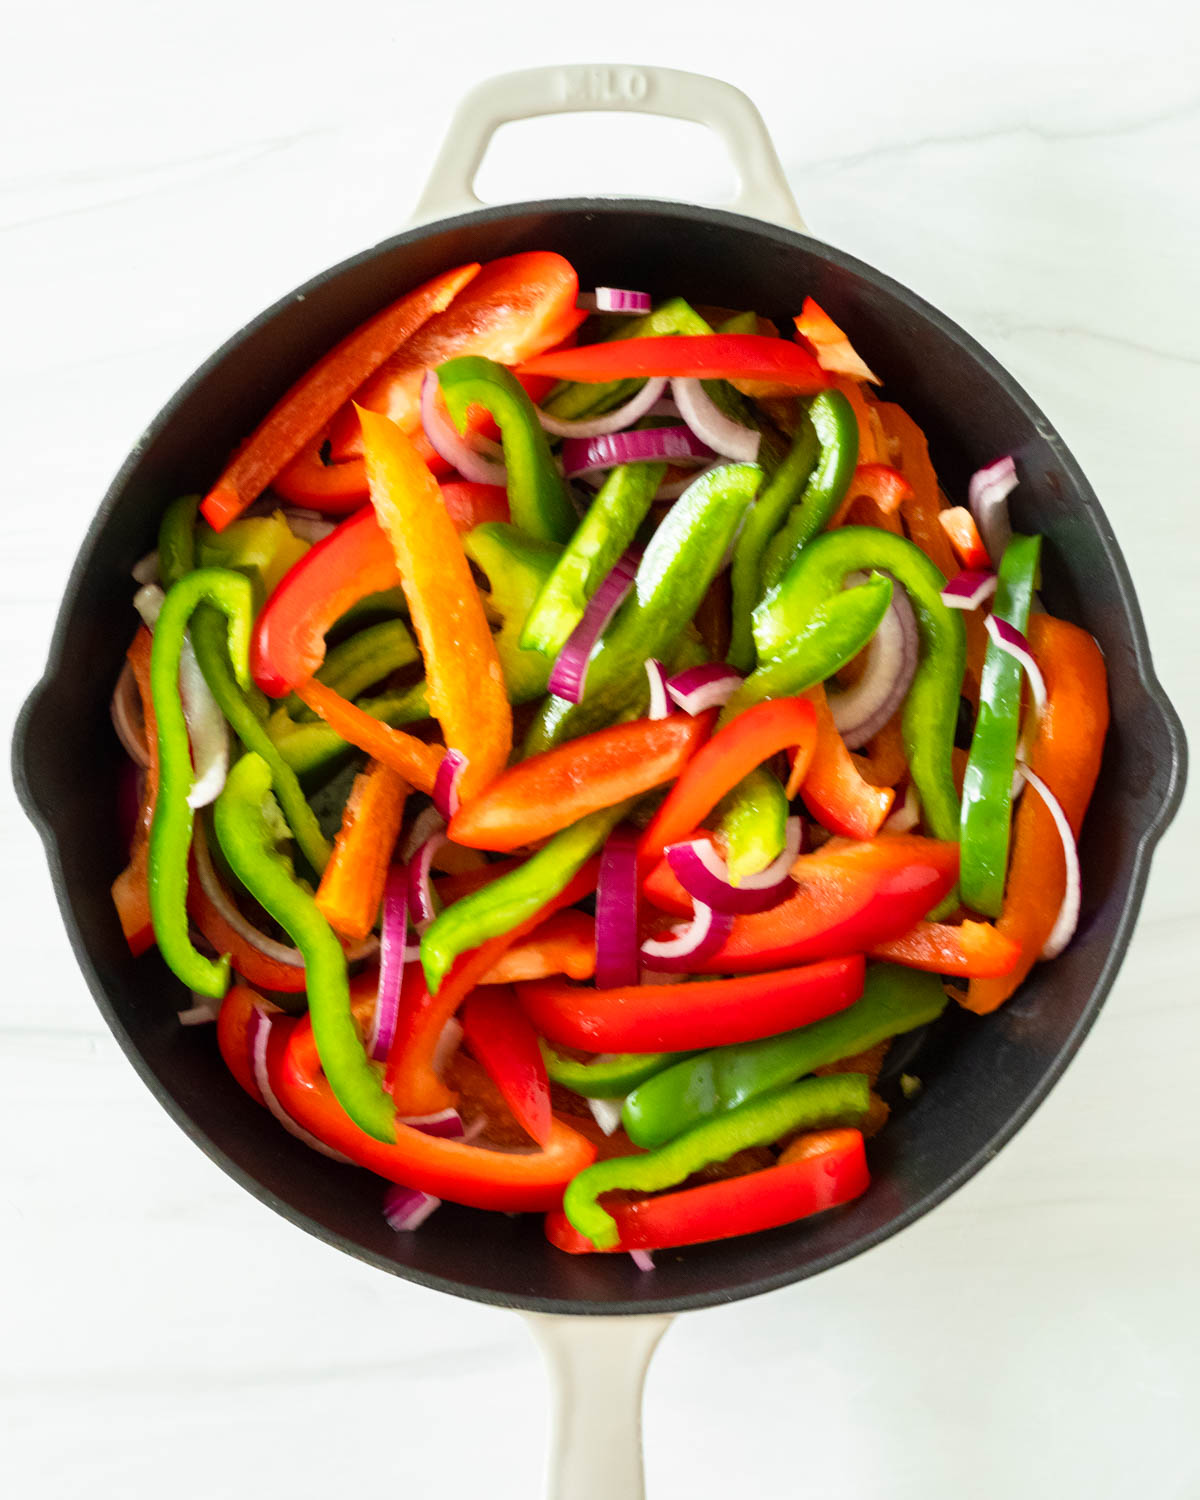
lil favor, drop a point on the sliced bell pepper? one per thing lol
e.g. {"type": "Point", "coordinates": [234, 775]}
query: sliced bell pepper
{"type": "Point", "coordinates": [973, 949]}
{"type": "Point", "coordinates": [316, 396]}
{"type": "Point", "coordinates": [516, 567]}
{"type": "Point", "coordinates": [514, 308]}
{"type": "Point", "coordinates": [683, 1017]}
{"type": "Point", "coordinates": [316, 483]}
{"type": "Point", "coordinates": [959, 525]}
{"type": "Point", "coordinates": [781, 367]}
{"type": "Point", "coordinates": [735, 751]}
{"type": "Point", "coordinates": [564, 944]}
{"type": "Point", "coordinates": [834, 791]}
{"type": "Point", "coordinates": [263, 547]}
{"type": "Point", "coordinates": [674, 1099]}
{"type": "Point", "coordinates": [606, 1077]}
{"type": "Point", "coordinates": [1066, 755]}
{"type": "Point", "coordinates": [412, 758]}
{"type": "Point", "coordinates": [849, 898]}
{"type": "Point", "coordinates": [361, 660]}
{"type": "Point", "coordinates": [886, 488]}
{"type": "Point", "coordinates": [499, 1034]}
{"type": "Point", "coordinates": [233, 1034]}
{"type": "Point", "coordinates": [840, 1100]}
{"type": "Point", "coordinates": [463, 678]}
{"type": "Point", "coordinates": [831, 346]}
{"type": "Point", "coordinates": [130, 890]}
{"type": "Point", "coordinates": [508, 1181]}
{"type": "Point", "coordinates": [255, 966]}
{"type": "Point", "coordinates": [546, 793]}
{"type": "Point", "coordinates": [752, 823]}
{"type": "Point", "coordinates": [351, 888]}
{"type": "Point", "coordinates": [537, 494]}
{"type": "Point", "coordinates": [817, 1172]}
{"type": "Point", "coordinates": [469, 505]}
{"type": "Point", "coordinates": [885, 763]}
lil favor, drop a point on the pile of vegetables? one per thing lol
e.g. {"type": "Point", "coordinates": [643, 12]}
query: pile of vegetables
{"type": "Point", "coordinates": [574, 736]}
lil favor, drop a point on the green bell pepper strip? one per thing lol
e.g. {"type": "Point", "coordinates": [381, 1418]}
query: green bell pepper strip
{"type": "Point", "coordinates": [263, 546]}
{"type": "Point", "coordinates": [619, 508]}
{"type": "Point", "coordinates": [250, 830]}
{"type": "Point", "coordinates": [515, 897]}
{"type": "Point", "coordinates": [894, 1000]}
{"type": "Point", "coordinates": [537, 496]}
{"type": "Point", "coordinates": [177, 540]}
{"type": "Point", "coordinates": [606, 1077]}
{"type": "Point", "coordinates": [171, 828]}
{"type": "Point", "coordinates": [752, 823]}
{"type": "Point", "coordinates": [841, 1099]}
{"type": "Point", "coordinates": [987, 784]}
{"type": "Point", "coordinates": [788, 629]}
{"type": "Point", "coordinates": [681, 560]}
{"type": "Point", "coordinates": [360, 661]}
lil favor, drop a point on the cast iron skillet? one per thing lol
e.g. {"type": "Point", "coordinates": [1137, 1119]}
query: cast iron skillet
{"type": "Point", "coordinates": [983, 1077]}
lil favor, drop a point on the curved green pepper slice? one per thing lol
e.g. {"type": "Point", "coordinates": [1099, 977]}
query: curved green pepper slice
{"type": "Point", "coordinates": [752, 823]}
{"type": "Point", "coordinates": [606, 1077]}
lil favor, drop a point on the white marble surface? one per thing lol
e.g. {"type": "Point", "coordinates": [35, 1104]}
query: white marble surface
{"type": "Point", "coordinates": [1032, 169]}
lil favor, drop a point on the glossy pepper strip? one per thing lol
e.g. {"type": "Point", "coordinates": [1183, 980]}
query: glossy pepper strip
{"type": "Point", "coordinates": [318, 394]}
{"type": "Point", "coordinates": [893, 1001]}
{"type": "Point", "coordinates": [351, 888]}
{"type": "Point", "coordinates": [264, 547]}
{"type": "Point", "coordinates": [499, 1035]}
{"type": "Point", "coordinates": [1066, 755]}
{"type": "Point", "coordinates": [782, 367]}
{"type": "Point", "coordinates": [563, 944]}
{"type": "Point", "coordinates": [412, 758]}
{"type": "Point", "coordinates": [752, 823]}
{"type": "Point", "coordinates": [815, 1173]}
{"type": "Point", "coordinates": [542, 795]}
{"type": "Point", "coordinates": [463, 678]}
{"type": "Point", "coordinates": [361, 660]}
{"type": "Point", "coordinates": [987, 785]}
{"type": "Point", "coordinates": [972, 949]}
{"type": "Point", "coordinates": [537, 496]}
{"type": "Point", "coordinates": [130, 890]}
{"type": "Point", "coordinates": [781, 623]}
{"type": "Point", "coordinates": [834, 790]}
{"type": "Point", "coordinates": [171, 830]}
{"type": "Point", "coordinates": [681, 560]}
{"type": "Point", "coordinates": [510, 1182]}
{"type": "Point", "coordinates": [249, 827]}
{"type": "Point", "coordinates": [839, 1100]}
{"type": "Point", "coordinates": [682, 1017]}
{"type": "Point", "coordinates": [606, 1077]}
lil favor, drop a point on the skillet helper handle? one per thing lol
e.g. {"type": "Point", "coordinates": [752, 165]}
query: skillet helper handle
{"type": "Point", "coordinates": [597, 1366]}
{"type": "Point", "coordinates": [763, 191]}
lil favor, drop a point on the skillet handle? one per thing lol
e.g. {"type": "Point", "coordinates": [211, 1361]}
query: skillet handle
{"type": "Point", "coordinates": [597, 1367]}
{"type": "Point", "coordinates": [763, 191]}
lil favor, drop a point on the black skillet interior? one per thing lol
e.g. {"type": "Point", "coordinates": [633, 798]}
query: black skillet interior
{"type": "Point", "coordinates": [982, 1078]}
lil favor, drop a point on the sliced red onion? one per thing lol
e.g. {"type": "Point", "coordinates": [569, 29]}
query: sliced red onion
{"type": "Point", "coordinates": [202, 1013]}
{"type": "Point", "coordinates": [475, 462]}
{"type": "Point", "coordinates": [445, 783]}
{"type": "Point", "coordinates": [710, 424]}
{"type": "Point", "coordinates": [420, 890]}
{"type": "Point", "coordinates": [257, 1035]}
{"type": "Point", "coordinates": [987, 495]}
{"type": "Point", "coordinates": [407, 1208]}
{"type": "Point", "coordinates": [642, 1259]}
{"type": "Point", "coordinates": [126, 711]}
{"type": "Point", "coordinates": [708, 686]}
{"type": "Point", "coordinates": [569, 677]}
{"type": "Point", "coordinates": [447, 1045]}
{"type": "Point", "coordinates": [968, 590]}
{"type": "Point", "coordinates": [691, 942]}
{"type": "Point", "coordinates": [1008, 638]}
{"type": "Point", "coordinates": [207, 730]}
{"type": "Point", "coordinates": [671, 489]}
{"type": "Point", "coordinates": [607, 1114]}
{"type": "Point", "coordinates": [308, 525]}
{"type": "Point", "coordinates": [446, 1124]}
{"type": "Point", "coordinates": [705, 876]}
{"type": "Point", "coordinates": [660, 703]}
{"type": "Point", "coordinates": [617, 957]}
{"type": "Point", "coordinates": [647, 445]}
{"type": "Point", "coordinates": [427, 822]}
{"type": "Point", "coordinates": [148, 601]}
{"type": "Point", "coordinates": [640, 405]}
{"type": "Point", "coordinates": [391, 963]}
{"type": "Point", "coordinates": [861, 711]}
{"type": "Point", "coordinates": [145, 570]}
{"type": "Point", "coordinates": [614, 299]}
{"type": "Point", "coordinates": [907, 815]}
{"type": "Point", "coordinates": [1068, 913]}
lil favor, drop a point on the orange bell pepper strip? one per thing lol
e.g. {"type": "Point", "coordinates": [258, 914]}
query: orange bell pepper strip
{"type": "Point", "coordinates": [511, 1182]}
{"type": "Point", "coordinates": [833, 349]}
{"type": "Point", "coordinates": [300, 414]}
{"type": "Point", "coordinates": [886, 760]}
{"type": "Point", "coordinates": [886, 488]}
{"type": "Point", "coordinates": [416, 761]}
{"type": "Point", "coordinates": [256, 967]}
{"type": "Point", "coordinates": [351, 888]}
{"type": "Point", "coordinates": [974, 949]}
{"type": "Point", "coordinates": [131, 889]}
{"type": "Point", "coordinates": [500, 1036]}
{"type": "Point", "coordinates": [564, 944]}
{"type": "Point", "coordinates": [547, 792]}
{"type": "Point", "coordinates": [464, 681]}
{"type": "Point", "coordinates": [1066, 755]}
{"type": "Point", "coordinates": [411, 1080]}
{"type": "Point", "coordinates": [834, 790]}
{"type": "Point", "coordinates": [336, 489]}
{"type": "Point", "coordinates": [454, 886]}
{"type": "Point", "coordinates": [959, 525]}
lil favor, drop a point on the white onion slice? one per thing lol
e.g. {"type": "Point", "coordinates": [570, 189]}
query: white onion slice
{"type": "Point", "coordinates": [427, 822]}
{"type": "Point", "coordinates": [207, 731]}
{"type": "Point", "coordinates": [148, 601]}
{"type": "Point", "coordinates": [259, 1035]}
{"type": "Point", "coordinates": [308, 525]}
{"type": "Point", "coordinates": [710, 424]}
{"type": "Point", "coordinates": [607, 1114]}
{"type": "Point", "coordinates": [1068, 913]}
{"type": "Point", "coordinates": [907, 815]}
{"type": "Point", "coordinates": [126, 711]}
{"type": "Point", "coordinates": [623, 416]}
{"type": "Point", "coordinates": [447, 1045]}
{"type": "Point", "coordinates": [860, 711]}
{"type": "Point", "coordinates": [145, 570]}
{"type": "Point", "coordinates": [660, 704]}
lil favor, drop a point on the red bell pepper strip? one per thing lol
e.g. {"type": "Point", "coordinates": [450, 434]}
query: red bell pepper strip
{"type": "Point", "coordinates": [514, 308]}
{"type": "Point", "coordinates": [776, 364]}
{"type": "Point", "coordinates": [233, 1034]}
{"type": "Point", "coordinates": [831, 346]}
{"type": "Point", "coordinates": [317, 395]}
{"type": "Point", "coordinates": [976, 950]}
{"type": "Point", "coordinates": [463, 677]}
{"type": "Point", "coordinates": [131, 889]}
{"type": "Point", "coordinates": [687, 1017]}
{"type": "Point", "coordinates": [288, 644]}
{"type": "Point", "coordinates": [351, 888]}
{"type": "Point", "coordinates": [412, 758]}
{"type": "Point", "coordinates": [732, 753]}
{"type": "Point", "coordinates": [411, 1080]}
{"type": "Point", "coordinates": [498, 1032]}
{"type": "Point", "coordinates": [959, 525]}
{"type": "Point", "coordinates": [511, 1182]}
{"type": "Point", "coordinates": [538, 796]}
{"type": "Point", "coordinates": [252, 964]}
{"type": "Point", "coordinates": [833, 788]}
{"type": "Point", "coordinates": [884, 486]}
{"type": "Point", "coordinates": [816, 1172]}
{"type": "Point", "coordinates": [336, 489]}
{"type": "Point", "coordinates": [849, 898]}
{"type": "Point", "coordinates": [453, 887]}
{"type": "Point", "coordinates": [469, 505]}
{"type": "Point", "coordinates": [564, 944]}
